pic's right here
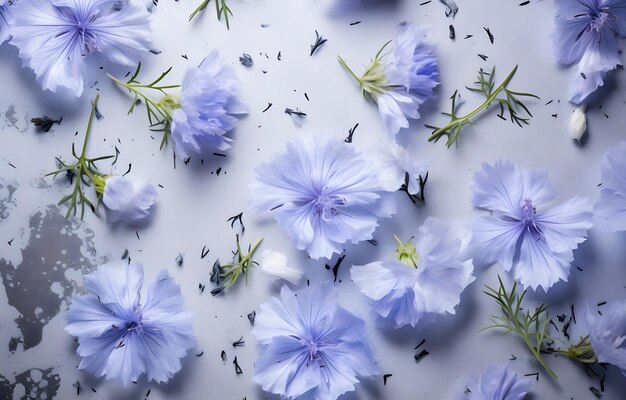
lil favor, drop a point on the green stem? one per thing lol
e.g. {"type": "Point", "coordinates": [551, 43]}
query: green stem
{"type": "Point", "coordinates": [201, 7]}
{"type": "Point", "coordinates": [133, 88]}
{"type": "Point", "coordinates": [455, 121]}
{"type": "Point", "coordinates": [538, 357]}
{"type": "Point", "coordinates": [93, 111]}
{"type": "Point", "coordinates": [341, 60]}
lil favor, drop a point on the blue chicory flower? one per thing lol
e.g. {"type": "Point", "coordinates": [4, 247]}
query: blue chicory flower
{"type": "Point", "coordinates": [309, 346]}
{"type": "Point", "coordinates": [401, 79]}
{"type": "Point", "coordinates": [607, 333]}
{"type": "Point", "coordinates": [586, 33]}
{"type": "Point", "coordinates": [123, 334]}
{"type": "Point", "coordinates": [322, 192]}
{"type": "Point", "coordinates": [209, 108]}
{"type": "Point", "coordinates": [423, 280]}
{"type": "Point", "coordinates": [497, 383]}
{"type": "Point", "coordinates": [522, 233]}
{"type": "Point", "coordinates": [128, 201]}
{"type": "Point", "coordinates": [612, 204]}
{"type": "Point", "coordinates": [396, 165]}
{"type": "Point", "coordinates": [55, 36]}
{"type": "Point", "coordinates": [5, 16]}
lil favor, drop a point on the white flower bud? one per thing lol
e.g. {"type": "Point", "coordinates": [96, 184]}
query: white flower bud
{"type": "Point", "coordinates": [578, 123]}
{"type": "Point", "coordinates": [274, 265]}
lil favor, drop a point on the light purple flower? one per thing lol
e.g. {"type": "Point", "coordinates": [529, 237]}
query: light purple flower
{"type": "Point", "coordinates": [607, 333]}
{"type": "Point", "coordinates": [586, 33]}
{"type": "Point", "coordinates": [5, 16]}
{"type": "Point", "coordinates": [423, 280]}
{"type": "Point", "coordinates": [522, 233]}
{"type": "Point", "coordinates": [310, 347]}
{"type": "Point", "coordinates": [123, 334]}
{"type": "Point", "coordinates": [128, 201]}
{"type": "Point", "coordinates": [396, 165]}
{"type": "Point", "coordinates": [209, 108]}
{"type": "Point", "coordinates": [55, 36]}
{"type": "Point", "coordinates": [322, 192]}
{"type": "Point", "coordinates": [498, 383]}
{"type": "Point", "coordinates": [401, 79]}
{"type": "Point", "coordinates": [612, 204]}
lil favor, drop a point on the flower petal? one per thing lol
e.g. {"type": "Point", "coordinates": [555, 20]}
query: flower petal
{"type": "Point", "coordinates": [538, 265]}
{"type": "Point", "coordinates": [495, 239]}
{"type": "Point", "coordinates": [565, 226]}
{"type": "Point", "coordinates": [498, 188]}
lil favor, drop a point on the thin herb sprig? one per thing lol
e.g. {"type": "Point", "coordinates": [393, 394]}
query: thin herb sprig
{"type": "Point", "coordinates": [532, 328]}
{"type": "Point", "coordinates": [231, 272]}
{"type": "Point", "coordinates": [159, 112]}
{"type": "Point", "coordinates": [508, 101]}
{"type": "Point", "coordinates": [82, 174]}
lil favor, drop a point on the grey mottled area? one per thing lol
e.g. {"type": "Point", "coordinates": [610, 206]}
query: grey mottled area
{"type": "Point", "coordinates": [7, 201]}
{"type": "Point", "coordinates": [41, 283]}
{"type": "Point", "coordinates": [35, 383]}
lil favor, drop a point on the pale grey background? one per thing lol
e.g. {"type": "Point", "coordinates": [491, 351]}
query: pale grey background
{"type": "Point", "coordinates": [46, 258]}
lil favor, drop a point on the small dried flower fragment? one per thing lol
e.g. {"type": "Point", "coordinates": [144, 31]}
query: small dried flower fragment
{"type": "Point", "coordinates": [45, 123]}
{"type": "Point", "coordinates": [578, 123]}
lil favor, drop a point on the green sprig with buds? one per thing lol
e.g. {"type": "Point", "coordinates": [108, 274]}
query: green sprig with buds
{"type": "Point", "coordinates": [159, 112]}
{"type": "Point", "coordinates": [83, 173]}
{"type": "Point", "coordinates": [508, 101]}
{"type": "Point", "coordinates": [221, 8]}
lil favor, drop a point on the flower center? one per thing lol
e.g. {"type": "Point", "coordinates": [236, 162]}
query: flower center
{"type": "Point", "coordinates": [312, 348]}
{"type": "Point", "coordinates": [528, 214]}
{"type": "Point", "coordinates": [328, 206]}
{"type": "Point", "coordinates": [407, 254]}
{"type": "Point", "coordinates": [600, 20]}
{"type": "Point", "coordinates": [135, 324]}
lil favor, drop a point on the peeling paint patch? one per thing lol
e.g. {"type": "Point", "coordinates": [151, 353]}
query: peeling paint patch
{"type": "Point", "coordinates": [34, 383]}
{"type": "Point", "coordinates": [39, 285]}
{"type": "Point", "coordinates": [9, 114]}
{"type": "Point", "coordinates": [13, 118]}
{"type": "Point", "coordinates": [7, 200]}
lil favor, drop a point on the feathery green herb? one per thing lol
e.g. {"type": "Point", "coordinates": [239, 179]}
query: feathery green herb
{"type": "Point", "coordinates": [532, 328]}
{"type": "Point", "coordinates": [159, 112]}
{"type": "Point", "coordinates": [508, 100]}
